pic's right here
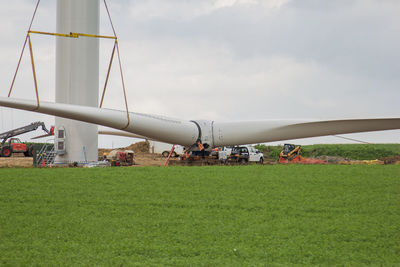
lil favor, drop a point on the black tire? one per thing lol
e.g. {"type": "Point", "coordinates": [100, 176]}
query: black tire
{"type": "Point", "coordinates": [6, 152]}
{"type": "Point", "coordinates": [174, 155]}
{"type": "Point", "coordinates": [165, 154]}
{"type": "Point", "coordinates": [243, 161]}
{"type": "Point", "coordinates": [29, 152]}
{"type": "Point", "coordinates": [261, 161]}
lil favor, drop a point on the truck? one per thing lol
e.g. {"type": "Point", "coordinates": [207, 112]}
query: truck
{"type": "Point", "coordinates": [14, 145]}
{"type": "Point", "coordinates": [164, 149]}
{"type": "Point", "coordinates": [245, 154]}
{"type": "Point", "coordinates": [225, 155]}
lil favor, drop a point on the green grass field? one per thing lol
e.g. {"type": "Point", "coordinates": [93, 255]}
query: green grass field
{"type": "Point", "coordinates": [207, 216]}
{"type": "Point", "coordinates": [348, 151]}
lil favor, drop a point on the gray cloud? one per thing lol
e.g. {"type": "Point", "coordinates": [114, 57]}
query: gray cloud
{"type": "Point", "coordinates": [237, 60]}
{"type": "Point", "coordinates": [346, 35]}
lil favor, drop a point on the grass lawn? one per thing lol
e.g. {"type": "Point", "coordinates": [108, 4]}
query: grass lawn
{"type": "Point", "coordinates": [349, 151]}
{"type": "Point", "coordinates": [211, 216]}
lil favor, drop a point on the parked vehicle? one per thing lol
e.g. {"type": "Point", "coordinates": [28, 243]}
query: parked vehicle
{"type": "Point", "coordinates": [246, 154]}
{"type": "Point", "coordinates": [15, 145]}
{"type": "Point", "coordinates": [164, 149]}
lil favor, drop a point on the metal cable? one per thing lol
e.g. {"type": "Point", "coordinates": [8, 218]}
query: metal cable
{"type": "Point", "coordinates": [123, 87]}
{"type": "Point", "coordinates": [23, 48]}
{"type": "Point", "coordinates": [34, 74]}
{"type": "Point", "coordinates": [108, 72]}
{"type": "Point", "coordinates": [34, 14]}
{"type": "Point", "coordinates": [120, 66]}
{"type": "Point", "coordinates": [109, 17]}
{"type": "Point", "coordinates": [351, 139]}
{"type": "Point", "coordinates": [108, 75]}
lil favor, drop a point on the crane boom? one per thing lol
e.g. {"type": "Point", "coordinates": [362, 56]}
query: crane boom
{"type": "Point", "coordinates": [21, 130]}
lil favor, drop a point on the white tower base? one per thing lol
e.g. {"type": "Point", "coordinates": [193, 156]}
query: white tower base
{"type": "Point", "coordinates": [77, 78]}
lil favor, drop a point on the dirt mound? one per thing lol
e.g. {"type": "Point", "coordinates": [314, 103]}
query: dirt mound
{"type": "Point", "coordinates": [139, 147]}
{"type": "Point", "coordinates": [101, 151]}
{"type": "Point", "coordinates": [390, 160]}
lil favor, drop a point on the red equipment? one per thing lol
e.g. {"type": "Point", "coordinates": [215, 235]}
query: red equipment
{"type": "Point", "coordinates": [15, 145]}
{"type": "Point", "coordinates": [291, 154]}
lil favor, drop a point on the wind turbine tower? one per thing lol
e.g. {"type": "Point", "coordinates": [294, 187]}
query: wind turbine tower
{"type": "Point", "coordinates": [77, 78]}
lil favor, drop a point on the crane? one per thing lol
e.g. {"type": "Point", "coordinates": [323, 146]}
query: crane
{"type": "Point", "coordinates": [15, 145]}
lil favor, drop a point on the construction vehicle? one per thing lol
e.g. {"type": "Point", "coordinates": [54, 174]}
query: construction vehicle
{"type": "Point", "coordinates": [15, 145]}
{"type": "Point", "coordinates": [290, 152]}
{"type": "Point", "coordinates": [119, 157]}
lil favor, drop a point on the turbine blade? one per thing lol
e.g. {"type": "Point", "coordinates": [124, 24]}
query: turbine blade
{"type": "Point", "coordinates": [122, 133]}
{"type": "Point", "coordinates": [156, 127]}
{"type": "Point", "coordinates": [232, 133]}
{"type": "Point", "coordinates": [186, 133]}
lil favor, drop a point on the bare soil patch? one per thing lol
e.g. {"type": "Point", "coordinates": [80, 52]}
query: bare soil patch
{"type": "Point", "coordinates": [141, 159]}
{"type": "Point", "coordinates": [144, 158]}
{"type": "Point", "coordinates": [16, 161]}
{"type": "Point", "coordinates": [142, 155]}
{"type": "Point", "coordinates": [391, 160]}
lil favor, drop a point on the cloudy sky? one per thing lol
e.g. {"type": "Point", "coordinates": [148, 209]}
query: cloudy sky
{"type": "Point", "coordinates": [228, 60]}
